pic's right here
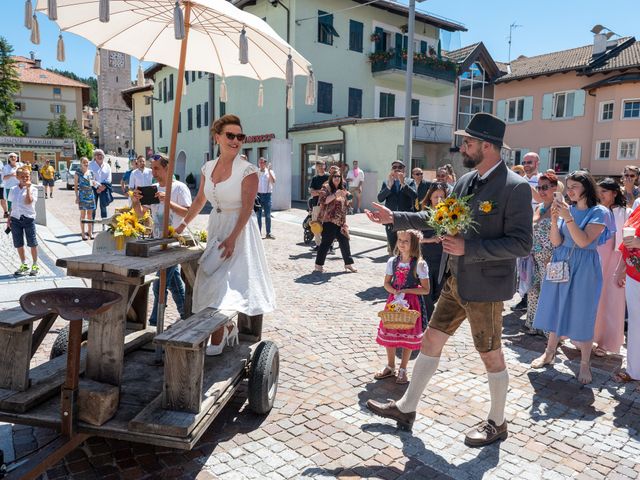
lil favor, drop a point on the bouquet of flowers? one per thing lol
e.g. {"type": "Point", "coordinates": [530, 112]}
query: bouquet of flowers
{"type": "Point", "coordinates": [125, 223]}
{"type": "Point", "coordinates": [451, 216]}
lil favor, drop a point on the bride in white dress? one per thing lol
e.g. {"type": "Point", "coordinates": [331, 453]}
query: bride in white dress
{"type": "Point", "coordinates": [233, 273]}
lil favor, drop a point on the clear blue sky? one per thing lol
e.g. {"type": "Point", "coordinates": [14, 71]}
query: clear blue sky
{"type": "Point", "coordinates": [547, 26]}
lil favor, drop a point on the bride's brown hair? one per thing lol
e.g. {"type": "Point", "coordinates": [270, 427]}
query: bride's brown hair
{"type": "Point", "coordinates": [223, 121]}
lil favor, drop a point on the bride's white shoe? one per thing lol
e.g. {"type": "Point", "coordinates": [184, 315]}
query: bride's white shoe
{"type": "Point", "coordinates": [213, 350]}
{"type": "Point", "coordinates": [232, 339]}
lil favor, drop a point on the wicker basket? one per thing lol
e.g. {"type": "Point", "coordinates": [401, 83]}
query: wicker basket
{"type": "Point", "coordinates": [404, 320]}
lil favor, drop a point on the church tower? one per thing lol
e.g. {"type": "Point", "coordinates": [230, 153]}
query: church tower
{"type": "Point", "coordinates": [115, 116]}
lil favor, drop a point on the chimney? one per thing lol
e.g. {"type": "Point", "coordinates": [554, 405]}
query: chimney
{"type": "Point", "coordinates": [32, 54]}
{"type": "Point", "coordinates": [38, 63]}
{"type": "Point", "coordinates": [599, 44]}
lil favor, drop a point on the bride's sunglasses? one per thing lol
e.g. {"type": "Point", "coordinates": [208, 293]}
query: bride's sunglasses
{"type": "Point", "coordinates": [233, 136]}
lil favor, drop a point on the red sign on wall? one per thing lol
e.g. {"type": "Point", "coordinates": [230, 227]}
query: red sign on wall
{"type": "Point", "coordinates": [260, 138]}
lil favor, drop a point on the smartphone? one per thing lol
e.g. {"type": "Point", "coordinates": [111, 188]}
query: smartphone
{"type": "Point", "coordinates": [7, 230]}
{"type": "Point", "coordinates": [149, 195]}
{"type": "Point", "coordinates": [558, 197]}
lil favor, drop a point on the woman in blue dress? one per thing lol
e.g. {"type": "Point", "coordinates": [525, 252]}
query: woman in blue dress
{"type": "Point", "coordinates": [568, 309]}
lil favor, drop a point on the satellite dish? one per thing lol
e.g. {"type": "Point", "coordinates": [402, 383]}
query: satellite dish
{"type": "Point", "coordinates": [597, 28]}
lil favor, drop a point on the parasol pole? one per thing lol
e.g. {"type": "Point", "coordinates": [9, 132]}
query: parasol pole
{"type": "Point", "coordinates": [162, 297]}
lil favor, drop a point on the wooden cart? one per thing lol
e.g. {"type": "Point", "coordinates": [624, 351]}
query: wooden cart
{"type": "Point", "coordinates": [168, 404]}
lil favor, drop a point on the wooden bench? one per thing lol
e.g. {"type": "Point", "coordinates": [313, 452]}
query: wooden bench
{"type": "Point", "coordinates": [18, 343]}
{"type": "Point", "coordinates": [184, 345]}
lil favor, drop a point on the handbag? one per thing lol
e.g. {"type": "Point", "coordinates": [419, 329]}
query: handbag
{"type": "Point", "coordinates": [256, 204]}
{"type": "Point", "coordinates": [558, 272]}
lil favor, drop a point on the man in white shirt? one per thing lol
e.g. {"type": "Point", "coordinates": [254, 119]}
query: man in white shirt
{"type": "Point", "coordinates": [266, 181]}
{"type": "Point", "coordinates": [355, 179]}
{"type": "Point", "coordinates": [22, 221]}
{"type": "Point", "coordinates": [141, 176]}
{"type": "Point", "coordinates": [3, 201]}
{"type": "Point", "coordinates": [530, 163]}
{"type": "Point", "coordinates": [178, 208]}
{"type": "Point", "coordinates": [102, 181]}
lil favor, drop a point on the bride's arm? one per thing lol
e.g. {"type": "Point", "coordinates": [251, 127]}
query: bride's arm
{"type": "Point", "coordinates": [249, 191]}
{"type": "Point", "coordinates": [195, 208]}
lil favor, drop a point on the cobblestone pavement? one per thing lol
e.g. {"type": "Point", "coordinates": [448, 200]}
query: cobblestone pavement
{"type": "Point", "coordinates": [325, 327]}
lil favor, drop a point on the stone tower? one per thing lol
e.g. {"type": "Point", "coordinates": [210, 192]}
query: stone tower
{"type": "Point", "coordinates": [115, 116]}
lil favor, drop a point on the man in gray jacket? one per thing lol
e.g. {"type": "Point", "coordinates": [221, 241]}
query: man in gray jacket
{"type": "Point", "coordinates": [480, 268]}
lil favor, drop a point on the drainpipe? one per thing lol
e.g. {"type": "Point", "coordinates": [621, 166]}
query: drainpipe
{"type": "Point", "coordinates": [212, 109]}
{"type": "Point", "coordinates": [344, 143]}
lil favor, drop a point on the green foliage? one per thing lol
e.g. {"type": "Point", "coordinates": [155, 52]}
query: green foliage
{"type": "Point", "coordinates": [91, 81]}
{"type": "Point", "coordinates": [15, 128]}
{"type": "Point", "coordinates": [62, 128]}
{"type": "Point", "coordinates": [9, 86]}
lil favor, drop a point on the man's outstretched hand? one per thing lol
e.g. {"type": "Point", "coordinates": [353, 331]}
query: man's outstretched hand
{"type": "Point", "coordinates": [380, 214]}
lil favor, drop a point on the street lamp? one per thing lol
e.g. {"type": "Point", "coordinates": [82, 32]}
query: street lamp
{"type": "Point", "coordinates": [406, 154]}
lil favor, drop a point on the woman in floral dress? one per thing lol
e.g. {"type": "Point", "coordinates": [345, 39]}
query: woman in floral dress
{"type": "Point", "coordinates": [85, 198]}
{"type": "Point", "coordinates": [542, 248]}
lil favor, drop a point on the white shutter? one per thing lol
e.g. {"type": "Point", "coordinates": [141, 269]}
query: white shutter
{"type": "Point", "coordinates": [574, 158]}
{"type": "Point", "coordinates": [527, 114]}
{"type": "Point", "coordinates": [547, 106]}
{"type": "Point", "coordinates": [501, 110]}
{"type": "Point", "coordinates": [578, 103]}
{"type": "Point", "coordinates": [544, 158]}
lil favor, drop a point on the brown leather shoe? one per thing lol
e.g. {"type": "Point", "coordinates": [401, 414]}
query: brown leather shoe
{"type": "Point", "coordinates": [485, 433]}
{"type": "Point", "coordinates": [389, 410]}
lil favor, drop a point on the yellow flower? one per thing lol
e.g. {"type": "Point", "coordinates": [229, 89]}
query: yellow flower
{"type": "Point", "coordinates": [486, 206]}
{"type": "Point", "coordinates": [450, 201]}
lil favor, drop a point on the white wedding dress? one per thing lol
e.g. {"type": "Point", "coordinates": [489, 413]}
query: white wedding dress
{"type": "Point", "coordinates": [242, 282]}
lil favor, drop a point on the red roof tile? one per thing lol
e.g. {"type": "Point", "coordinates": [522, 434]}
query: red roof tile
{"type": "Point", "coordinates": [29, 73]}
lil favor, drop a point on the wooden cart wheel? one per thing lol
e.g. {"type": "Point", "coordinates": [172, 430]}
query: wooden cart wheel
{"type": "Point", "coordinates": [263, 377]}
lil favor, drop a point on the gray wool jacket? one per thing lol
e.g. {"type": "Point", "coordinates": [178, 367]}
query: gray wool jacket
{"type": "Point", "coordinates": [487, 270]}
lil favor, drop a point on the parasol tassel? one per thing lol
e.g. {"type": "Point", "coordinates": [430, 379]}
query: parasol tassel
{"type": "Point", "coordinates": [289, 71]}
{"type": "Point", "coordinates": [96, 63]}
{"type": "Point", "coordinates": [244, 48]}
{"type": "Point", "coordinates": [260, 96]}
{"type": "Point", "coordinates": [28, 13]}
{"type": "Point", "coordinates": [60, 54]}
{"type": "Point", "coordinates": [104, 11]}
{"type": "Point", "coordinates": [223, 91]}
{"type": "Point", "coordinates": [35, 30]}
{"type": "Point", "coordinates": [52, 9]}
{"type": "Point", "coordinates": [178, 22]}
{"type": "Point", "coordinates": [140, 75]}
{"type": "Point", "coordinates": [289, 98]}
{"type": "Point", "coordinates": [310, 97]}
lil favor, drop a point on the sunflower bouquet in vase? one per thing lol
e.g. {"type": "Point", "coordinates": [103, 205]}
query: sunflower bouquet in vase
{"type": "Point", "coordinates": [451, 216]}
{"type": "Point", "coordinates": [126, 224]}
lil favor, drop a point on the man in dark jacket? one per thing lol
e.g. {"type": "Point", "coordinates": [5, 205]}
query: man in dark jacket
{"type": "Point", "coordinates": [481, 274]}
{"type": "Point", "coordinates": [398, 195]}
{"type": "Point", "coordinates": [422, 187]}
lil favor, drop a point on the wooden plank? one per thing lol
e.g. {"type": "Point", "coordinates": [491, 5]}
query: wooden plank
{"type": "Point", "coordinates": [41, 331]}
{"type": "Point", "coordinates": [190, 333]}
{"type": "Point", "coordinates": [182, 389]}
{"type": "Point", "coordinates": [105, 339]}
{"type": "Point", "coordinates": [15, 356]}
{"type": "Point", "coordinates": [141, 248]}
{"type": "Point", "coordinates": [12, 317]}
{"type": "Point", "coordinates": [189, 270]}
{"type": "Point", "coordinates": [104, 276]}
{"type": "Point", "coordinates": [220, 374]}
{"type": "Point", "coordinates": [47, 378]}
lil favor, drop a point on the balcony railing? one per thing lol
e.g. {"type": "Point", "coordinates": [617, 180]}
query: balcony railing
{"type": "Point", "coordinates": [430, 67]}
{"type": "Point", "coordinates": [437, 132]}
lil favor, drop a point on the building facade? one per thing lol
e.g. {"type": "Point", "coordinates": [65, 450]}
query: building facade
{"type": "Point", "coordinates": [115, 116]}
{"type": "Point", "coordinates": [139, 99]}
{"type": "Point", "coordinates": [578, 108]}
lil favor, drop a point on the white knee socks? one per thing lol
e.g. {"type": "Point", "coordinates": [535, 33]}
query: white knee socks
{"type": "Point", "coordinates": [498, 386]}
{"type": "Point", "coordinates": [423, 370]}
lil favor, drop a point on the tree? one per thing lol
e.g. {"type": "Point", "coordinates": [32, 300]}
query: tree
{"type": "Point", "coordinates": [9, 86]}
{"type": "Point", "coordinates": [62, 128]}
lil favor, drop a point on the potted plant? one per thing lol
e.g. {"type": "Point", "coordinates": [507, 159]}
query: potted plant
{"type": "Point", "coordinates": [190, 181]}
{"type": "Point", "coordinates": [375, 37]}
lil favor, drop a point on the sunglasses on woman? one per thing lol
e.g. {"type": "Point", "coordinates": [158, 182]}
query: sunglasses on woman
{"type": "Point", "coordinates": [336, 176]}
{"type": "Point", "coordinates": [544, 188]}
{"type": "Point", "coordinates": [233, 136]}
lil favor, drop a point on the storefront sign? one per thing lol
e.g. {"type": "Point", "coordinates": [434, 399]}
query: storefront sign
{"type": "Point", "coordinates": [260, 138]}
{"type": "Point", "coordinates": [38, 142]}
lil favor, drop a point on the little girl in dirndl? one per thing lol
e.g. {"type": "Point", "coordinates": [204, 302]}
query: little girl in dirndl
{"type": "Point", "coordinates": [407, 277]}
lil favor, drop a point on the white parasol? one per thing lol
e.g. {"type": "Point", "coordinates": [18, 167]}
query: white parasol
{"type": "Point", "coordinates": [199, 35]}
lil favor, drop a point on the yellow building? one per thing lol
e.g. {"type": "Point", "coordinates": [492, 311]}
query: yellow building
{"type": "Point", "coordinates": [139, 99]}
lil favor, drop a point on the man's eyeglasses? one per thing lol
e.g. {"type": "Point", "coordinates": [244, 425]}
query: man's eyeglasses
{"type": "Point", "coordinates": [233, 136]}
{"type": "Point", "coordinates": [418, 174]}
{"type": "Point", "coordinates": [397, 167]}
{"type": "Point", "coordinates": [543, 188]}
{"type": "Point", "coordinates": [527, 163]}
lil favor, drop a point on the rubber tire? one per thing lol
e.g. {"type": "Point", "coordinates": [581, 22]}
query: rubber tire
{"type": "Point", "coordinates": [59, 346]}
{"type": "Point", "coordinates": [308, 237]}
{"type": "Point", "coordinates": [263, 377]}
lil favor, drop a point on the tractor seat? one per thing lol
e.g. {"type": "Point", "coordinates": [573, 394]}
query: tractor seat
{"type": "Point", "coordinates": [69, 303]}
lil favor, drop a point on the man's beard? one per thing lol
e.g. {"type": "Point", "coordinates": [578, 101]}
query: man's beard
{"type": "Point", "coordinates": [471, 162]}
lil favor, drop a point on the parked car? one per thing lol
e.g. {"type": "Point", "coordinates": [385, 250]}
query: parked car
{"type": "Point", "coordinates": [70, 174]}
